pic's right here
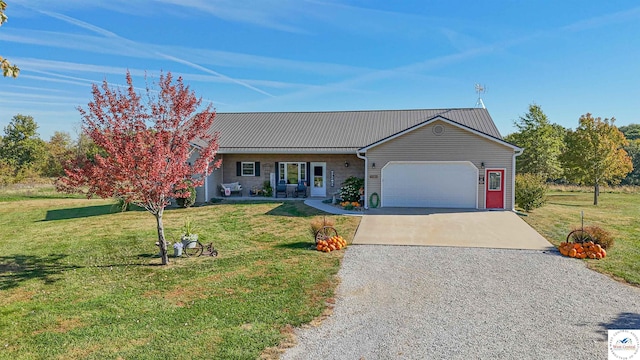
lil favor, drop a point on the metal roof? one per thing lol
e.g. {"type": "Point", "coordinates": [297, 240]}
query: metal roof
{"type": "Point", "coordinates": [331, 131]}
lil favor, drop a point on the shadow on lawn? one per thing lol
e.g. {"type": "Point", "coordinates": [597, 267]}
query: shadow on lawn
{"type": "Point", "coordinates": [300, 245]}
{"type": "Point", "coordinates": [19, 268]}
{"type": "Point", "coordinates": [295, 209]}
{"type": "Point", "coordinates": [75, 213]}
{"type": "Point", "coordinates": [82, 212]}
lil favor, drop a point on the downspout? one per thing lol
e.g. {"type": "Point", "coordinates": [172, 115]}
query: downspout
{"type": "Point", "coordinates": [513, 179]}
{"type": "Point", "coordinates": [366, 177]}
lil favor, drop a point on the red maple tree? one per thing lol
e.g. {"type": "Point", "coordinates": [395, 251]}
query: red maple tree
{"type": "Point", "coordinates": [145, 146]}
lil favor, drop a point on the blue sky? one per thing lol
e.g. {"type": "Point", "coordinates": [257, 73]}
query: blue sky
{"type": "Point", "coordinates": [570, 57]}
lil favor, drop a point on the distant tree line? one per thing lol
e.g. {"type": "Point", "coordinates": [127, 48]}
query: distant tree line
{"type": "Point", "coordinates": [596, 153]}
{"type": "Point", "coordinates": [24, 156]}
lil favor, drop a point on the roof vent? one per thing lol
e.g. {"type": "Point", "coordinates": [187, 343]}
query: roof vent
{"type": "Point", "coordinates": [438, 130]}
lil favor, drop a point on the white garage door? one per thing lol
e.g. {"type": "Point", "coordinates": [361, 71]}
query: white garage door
{"type": "Point", "coordinates": [430, 184]}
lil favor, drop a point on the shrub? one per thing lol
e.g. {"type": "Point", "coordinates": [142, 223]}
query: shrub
{"type": "Point", "coordinates": [267, 189]}
{"type": "Point", "coordinates": [600, 236]}
{"type": "Point", "coordinates": [317, 224]}
{"type": "Point", "coordinates": [531, 191]}
{"type": "Point", "coordinates": [122, 205]}
{"type": "Point", "coordinates": [185, 202]}
{"type": "Point", "coordinates": [350, 190]}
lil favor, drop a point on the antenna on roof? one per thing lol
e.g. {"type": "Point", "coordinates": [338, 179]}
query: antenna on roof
{"type": "Point", "coordinates": [480, 89]}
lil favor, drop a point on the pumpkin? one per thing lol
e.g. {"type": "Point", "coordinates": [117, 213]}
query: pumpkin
{"type": "Point", "coordinates": [573, 253]}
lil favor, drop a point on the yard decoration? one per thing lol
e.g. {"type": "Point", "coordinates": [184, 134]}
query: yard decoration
{"type": "Point", "coordinates": [585, 250]}
{"type": "Point", "coordinates": [322, 230]}
{"type": "Point", "coordinates": [146, 148]}
{"type": "Point", "coordinates": [374, 200]}
{"type": "Point", "coordinates": [189, 238]}
{"type": "Point", "coordinates": [331, 244]}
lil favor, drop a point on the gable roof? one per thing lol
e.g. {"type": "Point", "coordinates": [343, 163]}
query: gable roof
{"type": "Point", "coordinates": [332, 132]}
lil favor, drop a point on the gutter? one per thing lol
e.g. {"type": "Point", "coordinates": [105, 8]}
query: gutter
{"type": "Point", "coordinates": [366, 177]}
{"type": "Point", "coordinates": [513, 178]}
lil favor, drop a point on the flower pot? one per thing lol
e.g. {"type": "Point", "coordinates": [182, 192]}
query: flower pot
{"type": "Point", "coordinates": [190, 241]}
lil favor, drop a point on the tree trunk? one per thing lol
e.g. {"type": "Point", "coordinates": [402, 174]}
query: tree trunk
{"type": "Point", "coordinates": [161, 241]}
{"type": "Point", "coordinates": [596, 192]}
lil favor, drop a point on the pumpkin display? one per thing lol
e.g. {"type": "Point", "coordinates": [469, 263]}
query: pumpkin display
{"type": "Point", "coordinates": [331, 244]}
{"type": "Point", "coordinates": [584, 250]}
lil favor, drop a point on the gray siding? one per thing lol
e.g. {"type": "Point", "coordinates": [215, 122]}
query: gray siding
{"type": "Point", "coordinates": [455, 144]}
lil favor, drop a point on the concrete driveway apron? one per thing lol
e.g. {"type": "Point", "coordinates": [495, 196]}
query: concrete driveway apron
{"type": "Point", "coordinates": [446, 227]}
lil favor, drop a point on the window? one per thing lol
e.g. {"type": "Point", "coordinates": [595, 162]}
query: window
{"type": "Point", "coordinates": [248, 169]}
{"type": "Point", "coordinates": [292, 172]}
{"type": "Point", "coordinates": [495, 183]}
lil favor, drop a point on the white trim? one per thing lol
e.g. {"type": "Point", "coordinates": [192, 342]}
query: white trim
{"type": "Point", "coordinates": [206, 184]}
{"type": "Point", "coordinates": [300, 172]}
{"type": "Point", "coordinates": [502, 183]}
{"type": "Point", "coordinates": [366, 179]}
{"type": "Point", "coordinates": [465, 162]}
{"type": "Point", "coordinates": [312, 180]}
{"type": "Point", "coordinates": [438, 118]}
{"type": "Point", "coordinates": [253, 173]}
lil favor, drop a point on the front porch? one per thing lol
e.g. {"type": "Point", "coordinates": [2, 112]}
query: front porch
{"type": "Point", "coordinates": [322, 175]}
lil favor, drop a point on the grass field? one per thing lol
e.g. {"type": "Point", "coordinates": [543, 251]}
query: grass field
{"type": "Point", "coordinates": [617, 212]}
{"type": "Point", "coordinates": [80, 281]}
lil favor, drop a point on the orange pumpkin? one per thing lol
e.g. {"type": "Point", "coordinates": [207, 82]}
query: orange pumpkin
{"type": "Point", "coordinates": [573, 253]}
{"type": "Point", "coordinates": [603, 252]}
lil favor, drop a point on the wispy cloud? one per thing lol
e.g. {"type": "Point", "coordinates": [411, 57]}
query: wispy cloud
{"type": "Point", "coordinates": [102, 45]}
{"type": "Point", "coordinates": [134, 45]}
{"type": "Point", "coordinates": [273, 14]}
{"type": "Point", "coordinates": [605, 20]}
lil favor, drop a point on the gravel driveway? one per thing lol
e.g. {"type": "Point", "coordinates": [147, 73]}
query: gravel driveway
{"type": "Point", "coordinates": [405, 302]}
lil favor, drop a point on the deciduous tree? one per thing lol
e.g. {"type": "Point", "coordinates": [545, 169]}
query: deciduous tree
{"type": "Point", "coordinates": [594, 155]}
{"type": "Point", "coordinates": [59, 151]}
{"type": "Point", "coordinates": [5, 66]}
{"type": "Point", "coordinates": [633, 149]}
{"type": "Point", "coordinates": [145, 146]}
{"type": "Point", "coordinates": [631, 131]}
{"type": "Point", "coordinates": [542, 143]}
{"type": "Point", "coordinates": [21, 146]}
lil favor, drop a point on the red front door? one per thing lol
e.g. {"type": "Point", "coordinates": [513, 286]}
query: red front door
{"type": "Point", "coordinates": [494, 180]}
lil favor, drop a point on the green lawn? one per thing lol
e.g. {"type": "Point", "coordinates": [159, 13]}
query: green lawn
{"type": "Point", "coordinates": [80, 281]}
{"type": "Point", "coordinates": [617, 212]}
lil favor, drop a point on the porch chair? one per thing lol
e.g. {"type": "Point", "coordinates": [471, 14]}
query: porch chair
{"type": "Point", "coordinates": [301, 189]}
{"type": "Point", "coordinates": [281, 187]}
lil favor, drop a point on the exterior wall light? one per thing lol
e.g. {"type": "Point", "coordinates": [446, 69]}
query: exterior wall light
{"type": "Point", "coordinates": [482, 165]}
{"type": "Point", "coordinates": [346, 164]}
{"type": "Point", "coordinates": [373, 165]}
